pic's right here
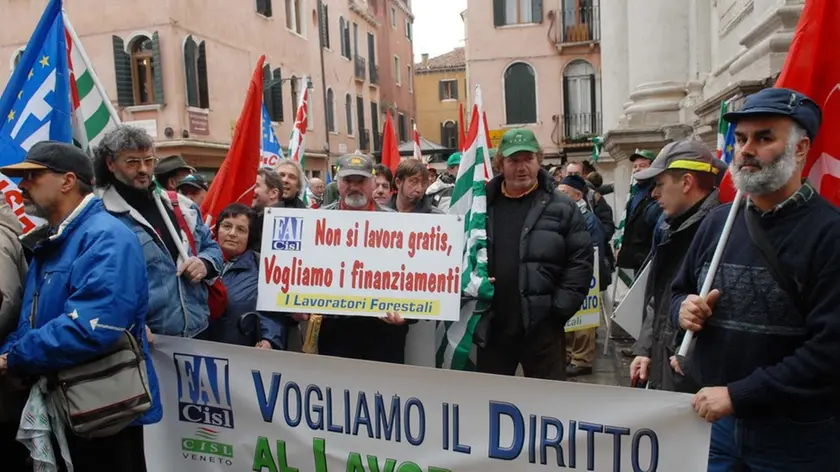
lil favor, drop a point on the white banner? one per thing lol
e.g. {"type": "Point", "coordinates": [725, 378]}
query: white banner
{"type": "Point", "coordinates": [589, 315]}
{"type": "Point", "coordinates": [361, 263]}
{"type": "Point", "coordinates": [232, 408]}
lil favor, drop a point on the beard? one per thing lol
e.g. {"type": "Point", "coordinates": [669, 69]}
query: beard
{"type": "Point", "coordinates": [355, 200]}
{"type": "Point", "coordinates": [769, 177]}
{"type": "Point", "coordinates": [32, 208]}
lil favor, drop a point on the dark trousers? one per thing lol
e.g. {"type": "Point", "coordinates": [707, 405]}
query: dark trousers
{"type": "Point", "coordinates": [122, 452]}
{"type": "Point", "coordinates": [14, 456]}
{"type": "Point", "coordinates": [367, 339]}
{"type": "Point", "coordinates": [774, 445]}
{"type": "Point", "coordinates": [542, 354]}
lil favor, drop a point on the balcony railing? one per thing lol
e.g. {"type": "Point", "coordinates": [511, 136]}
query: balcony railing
{"type": "Point", "coordinates": [374, 74]}
{"type": "Point", "coordinates": [360, 68]}
{"type": "Point", "coordinates": [579, 24]}
{"type": "Point", "coordinates": [580, 127]}
{"type": "Point", "coordinates": [364, 140]}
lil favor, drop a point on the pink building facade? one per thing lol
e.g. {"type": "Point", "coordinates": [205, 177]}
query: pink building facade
{"type": "Point", "coordinates": [538, 64]}
{"type": "Point", "coordinates": [181, 69]}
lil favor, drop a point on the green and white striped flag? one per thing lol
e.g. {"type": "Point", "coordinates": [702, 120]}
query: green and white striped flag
{"type": "Point", "coordinates": [454, 339]}
{"type": "Point", "coordinates": [618, 238]}
{"type": "Point", "coordinates": [93, 113]}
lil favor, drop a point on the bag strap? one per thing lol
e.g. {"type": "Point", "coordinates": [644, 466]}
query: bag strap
{"type": "Point", "coordinates": [176, 208]}
{"type": "Point", "coordinates": [759, 238]}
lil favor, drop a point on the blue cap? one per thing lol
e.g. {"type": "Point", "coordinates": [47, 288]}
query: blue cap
{"type": "Point", "coordinates": [781, 102]}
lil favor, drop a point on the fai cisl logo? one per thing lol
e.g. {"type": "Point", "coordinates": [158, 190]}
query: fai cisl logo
{"type": "Point", "coordinates": [204, 390]}
{"type": "Point", "coordinates": [287, 233]}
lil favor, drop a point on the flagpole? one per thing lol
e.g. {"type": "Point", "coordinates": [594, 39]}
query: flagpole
{"type": "Point", "coordinates": [96, 83]}
{"type": "Point", "coordinates": [713, 266]}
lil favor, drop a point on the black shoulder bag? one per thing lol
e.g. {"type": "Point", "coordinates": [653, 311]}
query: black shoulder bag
{"type": "Point", "coordinates": [785, 281]}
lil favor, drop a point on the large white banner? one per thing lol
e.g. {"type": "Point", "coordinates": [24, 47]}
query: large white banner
{"type": "Point", "coordinates": [361, 263]}
{"type": "Point", "coordinates": [231, 408]}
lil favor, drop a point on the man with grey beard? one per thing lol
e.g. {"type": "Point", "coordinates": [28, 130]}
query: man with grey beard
{"type": "Point", "coordinates": [768, 334]}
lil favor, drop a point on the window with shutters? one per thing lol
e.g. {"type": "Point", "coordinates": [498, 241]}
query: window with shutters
{"type": "Point", "coordinates": [294, 16]}
{"type": "Point", "coordinates": [517, 12]}
{"type": "Point", "coordinates": [449, 134]}
{"type": "Point", "coordinates": [581, 114]}
{"type": "Point", "coordinates": [408, 32]}
{"type": "Point", "coordinates": [394, 17]}
{"type": "Point", "coordinates": [273, 92]}
{"type": "Point", "coordinates": [448, 89]}
{"type": "Point", "coordinates": [331, 111]}
{"type": "Point", "coordinates": [324, 25]}
{"type": "Point", "coordinates": [374, 125]}
{"type": "Point", "coordinates": [137, 70]}
{"type": "Point", "coordinates": [397, 70]}
{"type": "Point", "coordinates": [348, 113]}
{"type": "Point", "coordinates": [264, 8]}
{"type": "Point", "coordinates": [195, 69]}
{"type": "Point", "coordinates": [520, 94]}
{"type": "Point", "coordinates": [402, 127]}
{"type": "Point", "coordinates": [344, 30]}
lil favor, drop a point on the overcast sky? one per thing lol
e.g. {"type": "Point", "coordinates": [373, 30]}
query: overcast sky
{"type": "Point", "coordinates": [437, 26]}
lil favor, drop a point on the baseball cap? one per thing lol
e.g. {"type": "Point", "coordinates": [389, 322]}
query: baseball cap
{"type": "Point", "coordinates": [644, 154]}
{"type": "Point", "coordinates": [781, 102]}
{"type": "Point", "coordinates": [55, 156]}
{"type": "Point", "coordinates": [194, 180]}
{"type": "Point", "coordinates": [454, 160]}
{"type": "Point", "coordinates": [355, 164]}
{"type": "Point", "coordinates": [171, 164]}
{"type": "Point", "coordinates": [519, 139]}
{"type": "Point", "coordinates": [685, 154]}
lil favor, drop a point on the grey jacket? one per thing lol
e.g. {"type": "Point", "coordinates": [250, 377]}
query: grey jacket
{"type": "Point", "coordinates": [12, 269]}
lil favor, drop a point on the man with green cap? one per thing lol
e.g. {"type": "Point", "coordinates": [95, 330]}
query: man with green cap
{"type": "Point", "coordinates": [441, 189]}
{"type": "Point", "coordinates": [642, 215]}
{"type": "Point", "coordinates": [540, 258]}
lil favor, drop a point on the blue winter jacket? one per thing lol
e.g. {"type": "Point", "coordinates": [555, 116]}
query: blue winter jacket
{"type": "Point", "coordinates": [177, 307]}
{"type": "Point", "coordinates": [241, 277]}
{"type": "Point", "coordinates": [89, 274]}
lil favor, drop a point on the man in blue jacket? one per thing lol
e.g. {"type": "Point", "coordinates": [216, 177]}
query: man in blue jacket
{"type": "Point", "coordinates": [124, 166]}
{"type": "Point", "coordinates": [86, 283]}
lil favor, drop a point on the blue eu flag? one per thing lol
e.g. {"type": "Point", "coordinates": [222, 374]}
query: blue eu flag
{"type": "Point", "coordinates": [35, 106]}
{"type": "Point", "coordinates": [270, 148]}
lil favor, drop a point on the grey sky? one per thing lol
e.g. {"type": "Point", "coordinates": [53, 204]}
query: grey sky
{"type": "Point", "coordinates": [437, 26]}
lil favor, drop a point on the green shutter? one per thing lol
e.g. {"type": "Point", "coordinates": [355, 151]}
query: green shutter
{"type": "Point", "coordinates": [567, 118]}
{"type": "Point", "coordinates": [498, 12]}
{"type": "Point", "coordinates": [520, 94]}
{"type": "Point", "coordinates": [122, 70]}
{"type": "Point", "coordinates": [455, 89]}
{"type": "Point", "coordinates": [455, 132]}
{"type": "Point", "coordinates": [348, 112]}
{"type": "Point", "coordinates": [157, 70]}
{"type": "Point", "coordinates": [203, 86]}
{"type": "Point", "coordinates": [341, 33]}
{"type": "Point", "coordinates": [191, 71]}
{"type": "Point", "coordinates": [347, 52]}
{"type": "Point", "coordinates": [441, 90]}
{"type": "Point", "coordinates": [537, 11]}
{"type": "Point", "coordinates": [593, 117]}
{"type": "Point", "coordinates": [277, 96]}
{"type": "Point", "coordinates": [264, 8]}
{"type": "Point", "coordinates": [267, 98]}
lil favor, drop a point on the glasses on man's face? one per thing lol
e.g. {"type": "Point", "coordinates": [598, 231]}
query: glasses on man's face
{"type": "Point", "coordinates": [31, 175]}
{"type": "Point", "coordinates": [135, 163]}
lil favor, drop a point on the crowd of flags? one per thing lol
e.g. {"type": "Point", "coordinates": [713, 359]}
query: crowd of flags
{"type": "Point", "coordinates": [54, 93]}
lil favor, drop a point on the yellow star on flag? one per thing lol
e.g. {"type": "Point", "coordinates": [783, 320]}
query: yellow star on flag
{"type": "Point", "coordinates": [31, 73]}
{"type": "Point", "coordinates": [20, 94]}
{"type": "Point", "coordinates": [11, 115]}
{"type": "Point", "coordinates": [729, 148]}
{"type": "Point", "coordinates": [45, 61]}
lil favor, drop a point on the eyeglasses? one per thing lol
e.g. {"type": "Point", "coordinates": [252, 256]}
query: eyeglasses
{"type": "Point", "coordinates": [147, 162]}
{"type": "Point", "coordinates": [33, 174]}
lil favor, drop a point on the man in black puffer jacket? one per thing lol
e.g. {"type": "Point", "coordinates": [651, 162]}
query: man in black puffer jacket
{"type": "Point", "coordinates": [540, 255]}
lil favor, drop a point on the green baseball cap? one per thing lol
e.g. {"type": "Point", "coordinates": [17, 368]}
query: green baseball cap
{"type": "Point", "coordinates": [454, 160]}
{"type": "Point", "coordinates": [519, 139]}
{"type": "Point", "coordinates": [644, 154]}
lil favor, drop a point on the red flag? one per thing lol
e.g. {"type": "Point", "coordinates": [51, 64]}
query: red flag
{"type": "Point", "coordinates": [811, 68]}
{"type": "Point", "coordinates": [235, 179]}
{"type": "Point", "coordinates": [390, 148]}
{"type": "Point", "coordinates": [462, 135]}
{"type": "Point", "coordinates": [486, 130]}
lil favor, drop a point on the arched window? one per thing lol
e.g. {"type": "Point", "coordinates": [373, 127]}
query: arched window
{"type": "Point", "coordinates": [143, 70]}
{"type": "Point", "coordinates": [195, 69]}
{"type": "Point", "coordinates": [520, 94]}
{"type": "Point", "coordinates": [137, 70]}
{"type": "Point", "coordinates": [581, 116]}
{"type": "Point", "coordinates": [331, 110]}
{"type": "Point", "coordinates": [348, 111]}
{"type": "Point", "coordinates": [449, 134]}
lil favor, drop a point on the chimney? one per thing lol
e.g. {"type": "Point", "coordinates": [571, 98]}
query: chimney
{"type": "Point", "coordinates": [425, 57]}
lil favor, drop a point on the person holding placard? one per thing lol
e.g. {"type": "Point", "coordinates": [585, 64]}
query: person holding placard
{"type": "Point", "coordinates": [540, 256]}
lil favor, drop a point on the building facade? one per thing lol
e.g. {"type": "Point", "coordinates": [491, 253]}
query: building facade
{"type": "Point", "coordinates": [396, 65]}
{"type": "Point", "coordinates": [538, 63]}
{"type": "Point", "coordinates": [441, 85]}
{"type": "Point", "coordinates": [182, 72]}
{"type": "Point", "coordinates": [668, 82]}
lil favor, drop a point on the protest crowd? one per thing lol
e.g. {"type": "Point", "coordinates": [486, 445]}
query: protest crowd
{"type": "Point", "coordinates": [737, 262]}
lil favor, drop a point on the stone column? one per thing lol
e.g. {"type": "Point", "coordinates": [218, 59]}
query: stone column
{"type": "Point", "coordinates": [615, 87]}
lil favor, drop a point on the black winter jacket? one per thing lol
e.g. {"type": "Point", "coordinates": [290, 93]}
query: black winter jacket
{"type": "Point", "coordinates": [555, 254]}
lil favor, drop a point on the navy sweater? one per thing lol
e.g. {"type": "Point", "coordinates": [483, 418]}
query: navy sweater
{"type": "Point", "coordinates": [773, 359]}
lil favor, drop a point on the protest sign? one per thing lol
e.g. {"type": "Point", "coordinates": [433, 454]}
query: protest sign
{"type": "Point", "coordinates": [232, 408]}
{"type": "Point", "coordinates": [589, 315]}
{"type": "Point", "coordinates": [361, 263]}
